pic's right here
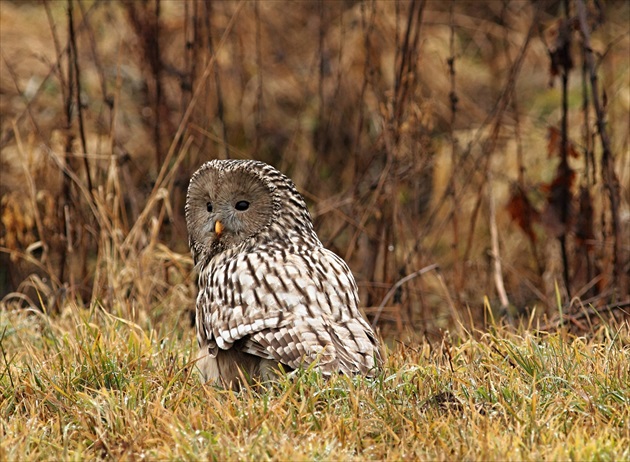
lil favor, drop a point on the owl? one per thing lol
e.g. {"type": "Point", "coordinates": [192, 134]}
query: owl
{"type": "Point", "coordinates": [271, 297]}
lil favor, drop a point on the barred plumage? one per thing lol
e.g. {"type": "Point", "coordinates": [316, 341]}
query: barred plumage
{"type": "Point", "coordinates": [269, 292]}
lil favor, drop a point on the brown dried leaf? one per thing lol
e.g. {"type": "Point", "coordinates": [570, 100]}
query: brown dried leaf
{"type": "Point", "coordinates": [557, 214]}
{"type": "Point", "coordinates": [584, 233]}
{"type": "Point", "coordinates": [554, 144]}
{"type": "Point", "coordinates": [523, 212]}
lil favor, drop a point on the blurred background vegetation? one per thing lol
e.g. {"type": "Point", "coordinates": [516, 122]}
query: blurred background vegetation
{"type": "Point", "coordinates": [489, 138]}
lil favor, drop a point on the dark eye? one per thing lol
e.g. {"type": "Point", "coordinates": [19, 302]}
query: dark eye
{"type": "Point", "coordinates": [209, 207]}
{"type": "Point", "coordinates": [242, 205]}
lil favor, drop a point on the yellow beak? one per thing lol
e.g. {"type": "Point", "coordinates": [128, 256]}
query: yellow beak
{"type": "Point", "coordinates": [218, 228]}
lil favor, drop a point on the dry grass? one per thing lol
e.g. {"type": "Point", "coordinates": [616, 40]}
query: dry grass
{"type": "Point", "coordinates": [96, 281]}
{"type": "Point", "coordinates": [90, 385]}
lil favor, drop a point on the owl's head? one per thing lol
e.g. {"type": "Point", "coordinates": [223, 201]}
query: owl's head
{"type": "Point", "coordinates": [230, 202]}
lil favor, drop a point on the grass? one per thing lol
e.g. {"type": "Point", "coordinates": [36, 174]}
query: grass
{"type": "Point", "coordinates": [396, 182]}
{"type": "Point", "coordinates": [89, 385]}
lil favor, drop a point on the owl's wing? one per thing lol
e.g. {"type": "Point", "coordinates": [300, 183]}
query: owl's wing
{"type": "Point", "coordinates": [292, 308]}
{"type": "Point", "coordinates": [336, 348]}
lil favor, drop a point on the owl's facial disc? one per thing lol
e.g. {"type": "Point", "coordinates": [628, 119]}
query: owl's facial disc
{"type": "Point", "coordinates": [225, 208]}
{"type": "Point", "coordinates": [237, 216]}
{"type": "Point", "coordinates": [239, 205]}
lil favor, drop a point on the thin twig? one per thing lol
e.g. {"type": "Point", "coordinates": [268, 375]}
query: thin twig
{"type": "Point", "coordinates": [608, 165]}
{"type": "Point", "coordinates": [133, 234]}
{"type": "Point", "coordinates": [564, 52]}
{"type": "Point", "coordinates": [13, 131]}
{"type": "Point", "coordinates": [454, 313]}
{"type": "Point", "coordinates": [587, 313]}
{"type": "Point", "coordinates": [73, 178]}
{"type": "Point", "coordinates": [6, 138]}
{"type": "Point", "coordinates": [367, 71]}
{"type": "Point", "coordinates": [322, 133]}
{"type": "Point", "coordinates": [395, 287]}
{"type": "Point", "coordinates": [494, 239]}
{"type": "Point", "coordinates": [77, 76]}
{"type": "Point", "coordinates": [217, 80]}
{"type": "Point", "coordinates": [259, 69]}
{"type": "Point", "coordinates": [55, 36]}
{"type": "Point", "coordinates": [95, 57]}
{"type": "Point", "coordinates": [406, 76]}
{"type": "Point", "coordinates": [495, 114]}
{"type": "Point", "coordinates": [452, 184]}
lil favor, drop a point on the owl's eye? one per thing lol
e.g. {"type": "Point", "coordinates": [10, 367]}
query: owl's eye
{"type": "Point", "coordinates": [209, 207]}
{"type": "Point", "coordinates": [241, 205]}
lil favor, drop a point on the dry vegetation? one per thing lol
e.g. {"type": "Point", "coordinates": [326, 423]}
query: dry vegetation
{"type": "Point", "coordinates": [489, 138]}
{"type": "Point", "coordinates": [92, 385]}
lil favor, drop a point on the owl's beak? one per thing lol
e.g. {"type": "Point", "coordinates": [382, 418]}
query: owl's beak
{"type": "Point", "coordinates": [218, 228]}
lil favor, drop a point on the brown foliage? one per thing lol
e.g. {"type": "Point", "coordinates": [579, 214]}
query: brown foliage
{"type": "Point", "coordinates": [390, 116]}
{"type": "Point", "coordinates": [523, 213]}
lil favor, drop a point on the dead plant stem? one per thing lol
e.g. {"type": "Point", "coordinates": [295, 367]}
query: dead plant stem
{"type": "Point", "coordinates": [494, 240]}
{"type": "Point", "coordinates": [611, 181]}
{"type": "Point", "coordinates": [395, 287]}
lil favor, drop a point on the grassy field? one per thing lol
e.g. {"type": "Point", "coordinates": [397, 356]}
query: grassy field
{"type": "Point", "coordinates": [92, 385]}
{"type": "Point", "coordinates": [469, 160]}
